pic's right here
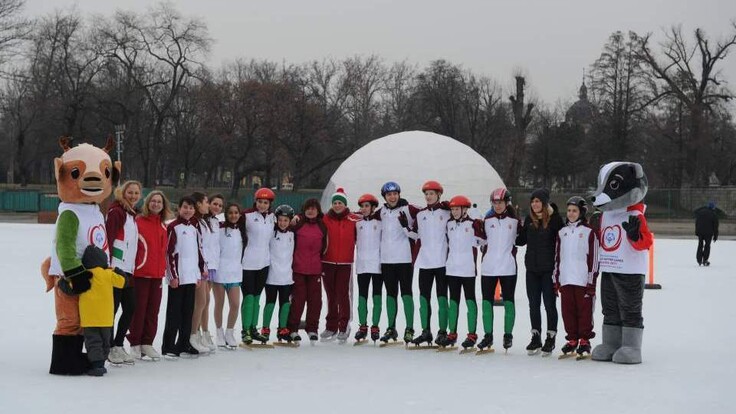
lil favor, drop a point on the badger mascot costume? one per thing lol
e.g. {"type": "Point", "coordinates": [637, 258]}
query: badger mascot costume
{"type": "Point", "coordinates": [84, 178]}
{"type": "Point", "coordinates": [623, 260]}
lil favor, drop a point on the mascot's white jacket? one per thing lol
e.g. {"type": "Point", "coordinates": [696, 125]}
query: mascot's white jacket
{"type": "Point", "coordinates": [618, 254]}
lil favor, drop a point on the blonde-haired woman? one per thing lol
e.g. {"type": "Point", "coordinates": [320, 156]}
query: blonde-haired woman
{"type": "Point", "coordinates": [149, 271]}
{"type": "Point", "coordinates": [122, 238]}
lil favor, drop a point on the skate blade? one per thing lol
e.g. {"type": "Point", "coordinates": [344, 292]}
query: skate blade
{"type": "Point", "coordinates": [245, 346]}
{"type": "Point", "coordinates": [149, 359]}
{"type": "Point", "coordinates": [582, 357]}
{"type": "Point", "coordinates": [286, 344]}
{"type": "Point", "coordinates": [546, 354]}
{"type": "Point", "coordinates": [421, 347]}
{"type": "Point", "coordinates": [189, 356]}
{"type": "Point", "coordinates": [361, 342]}
{"type": "Point", "coordinates": [171, 357]}
{"type": "Point", "coordinates": [566, 356]}
{"type": "Point", "coordinates": [386, 344]}
{"type": "Point", "coordinates": [330, 339]}
{"type": "Point", "coordinates": [260, 346]}
{"type": "Point", "coordinates": [533, 352]}
{"type": "Point", "coordinates": [485, 351]}
{"type": "Point", "coordinates": [468, 350]}
{"type": "Point", "coordinates": [447, 348]}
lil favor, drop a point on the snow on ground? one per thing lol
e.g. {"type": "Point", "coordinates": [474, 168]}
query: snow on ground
{"type": "Point", "coordinates": [688, 364]}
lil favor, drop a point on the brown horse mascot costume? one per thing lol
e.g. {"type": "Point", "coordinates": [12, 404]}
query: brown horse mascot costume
{"type": "Point", "coordinates": [85, 176]}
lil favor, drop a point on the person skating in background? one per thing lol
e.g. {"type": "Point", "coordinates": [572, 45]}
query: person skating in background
{"type": "Point", "coordinates": [575, 275]}
{"type": "Point", "coordinates": [464, 236]}
{"type": "Point", "coordinates": [211, 254]}
{"type": "Point", "coordinates": [337, 266]}
{"type": "Point", "coordinates": [211, 250]}
{"type": "Point", "coordinates": [185, 268]}
{"type": "Point", "coordinates": [259, 222]}
{"type": "Point", "coordinates": [706, 228]}
{"type": "Point", "coordinates": [96, 311]}
{"type": "Point", "coordinates": [280, 274]}
{"type": "Point", "coordinates": [500, 229]}
{"type": "Point", "coordinates": [122, 232]}
{"type": "Point", "coordinates": [368, 266]}
{"type": "Point", "coordinates": [229, 275]}
{"type": "Point", "coordinates": [149, 271]}
{"type": "Point", "coordinates": [396, 259]}
{"type": "Point", "coordinates": [310, 245]}
{"type": "Point", "coordinates": [538, 235]}
{"type": "Point", "coordinates": [430, 229]}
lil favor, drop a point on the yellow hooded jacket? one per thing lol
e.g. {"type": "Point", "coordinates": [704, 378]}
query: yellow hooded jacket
{"type": "Point", "coordinates": [96, 304]}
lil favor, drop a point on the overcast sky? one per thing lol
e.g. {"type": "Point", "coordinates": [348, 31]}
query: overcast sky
{"type": "Point", "coordinates": [552, 41]}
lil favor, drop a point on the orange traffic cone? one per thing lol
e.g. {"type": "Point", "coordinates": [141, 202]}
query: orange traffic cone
{"type": "Point", "coordinates": [650, 284]}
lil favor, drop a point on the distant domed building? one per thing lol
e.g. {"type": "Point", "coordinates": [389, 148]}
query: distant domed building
{"type": "Point", "coordinates": [581, 112]}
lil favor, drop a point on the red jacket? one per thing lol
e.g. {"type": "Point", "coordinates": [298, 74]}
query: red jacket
{"type": "Point", "coordinates": [341, 237]}
{"type": "Point", "coordinates": [150, 259]}
{"type": "Point", "coordinates": [310, 243]}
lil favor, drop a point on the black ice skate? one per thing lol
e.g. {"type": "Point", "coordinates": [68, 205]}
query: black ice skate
{"type": "Point", "coordinates": [535, 345]}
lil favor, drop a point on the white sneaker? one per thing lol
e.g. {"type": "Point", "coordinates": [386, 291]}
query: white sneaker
{"type": "Point", "coordinates": [221, 337]}
{"type": "Point", "coordinates": [206, 340]}
{"type": "Point", "coordinates": [135, 351]}
{"type": "Point", "coordinates": [194, 340]}
{"type": "Point", "coordinates": [230, 339]}
{"type": "Point", "coordinates": [116, 355]}
{"type": "Point", "coordinates": [149, 351]}
{"type": "Point", "coordinates": [327, 336]}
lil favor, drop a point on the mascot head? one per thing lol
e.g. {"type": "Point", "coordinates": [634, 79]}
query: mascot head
{"type": "Point", "coordinates": [620, 184]}
{"type": "Point", "coordinates": [85, 173]}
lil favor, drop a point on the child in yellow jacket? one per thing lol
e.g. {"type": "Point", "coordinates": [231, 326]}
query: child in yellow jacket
{"type": "Point", "coordinates": [96, 308]}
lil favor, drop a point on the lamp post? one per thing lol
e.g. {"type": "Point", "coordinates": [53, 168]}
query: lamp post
{"type": "Point", "coordinates": [119, 133]}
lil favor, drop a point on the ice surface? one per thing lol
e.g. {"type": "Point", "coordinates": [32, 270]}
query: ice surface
{"type": "Point", "coordinates": [687, 367]}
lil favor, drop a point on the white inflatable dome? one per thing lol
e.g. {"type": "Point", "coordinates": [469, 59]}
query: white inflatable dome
{"type": "Point", "coordinates": [411, 158]}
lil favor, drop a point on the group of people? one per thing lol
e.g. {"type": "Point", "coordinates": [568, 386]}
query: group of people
{"type": "Point", "coordinates": [215, 249]}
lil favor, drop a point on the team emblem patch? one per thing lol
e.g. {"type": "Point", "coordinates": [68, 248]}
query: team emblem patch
{"type": "Point", "coordinates": [97, 237]}
{"type": "Point", "coordinates": [611, 239]}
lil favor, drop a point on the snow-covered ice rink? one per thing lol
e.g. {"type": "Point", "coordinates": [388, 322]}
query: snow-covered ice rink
{"type": "Point", "coordinates": [689, 364]}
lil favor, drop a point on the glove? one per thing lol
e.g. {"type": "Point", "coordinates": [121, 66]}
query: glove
{"type": "Point", "coordinates": [632, 228]}
{"type": "Point", "coordinates": [65, 287]}
{"type": "Point", "coordinates": [77, 284]}
{"type": "Point", "coordinates": [403, 220]}
{"type": "Point", "coordinates": [590, 291]}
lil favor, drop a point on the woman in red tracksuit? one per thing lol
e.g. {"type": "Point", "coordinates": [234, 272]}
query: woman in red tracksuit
{"type": "Point", "coordinates": [310, 245]}
{"type": "Point", "coordinates": [337, 266]}
{"type": "Point", "coordinates": [149, 271]}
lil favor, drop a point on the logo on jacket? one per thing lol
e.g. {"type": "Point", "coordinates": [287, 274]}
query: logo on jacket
{"type": "Point", "coordinates": [611, 239]}
{"type": "Point", "coordinates": [98, 237]}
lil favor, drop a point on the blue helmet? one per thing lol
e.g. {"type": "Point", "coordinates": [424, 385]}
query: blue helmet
{"type": "Point", "coordinates": [390, 186]}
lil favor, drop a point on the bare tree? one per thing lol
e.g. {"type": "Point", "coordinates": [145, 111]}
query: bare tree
{"type": "Point", "coordinates": [522, 115]}
{"type": "Point", "coordinates": [13, 26]}
{"type": "Point", "coordinates": [691, 74]}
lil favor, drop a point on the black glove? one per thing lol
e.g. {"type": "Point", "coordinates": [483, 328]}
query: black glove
{"type": "Point", "coordinates": [632, 228]}
{"type": "Point", "coordinates": [76, 285]}
{"type": "Point", "coordinates": [403, 220]}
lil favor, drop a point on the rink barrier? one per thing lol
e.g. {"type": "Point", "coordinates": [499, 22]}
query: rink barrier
{"type": "Point", "coordinates": [650, 284]}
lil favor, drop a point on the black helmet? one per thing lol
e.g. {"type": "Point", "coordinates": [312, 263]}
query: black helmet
{"type": "Point", "coordinates": [284, 210]}
{"type": "Point", "coordinates": [580, 203]}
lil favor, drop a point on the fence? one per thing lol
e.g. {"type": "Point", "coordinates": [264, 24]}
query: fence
{"type": "Point", "coordinates": [661, 203]}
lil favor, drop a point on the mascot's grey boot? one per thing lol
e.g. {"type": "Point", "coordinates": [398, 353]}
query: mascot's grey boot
{"type": "Point", "coordinates": [630, 351]}
{"type": "Point", "coordinates": [611, 335]}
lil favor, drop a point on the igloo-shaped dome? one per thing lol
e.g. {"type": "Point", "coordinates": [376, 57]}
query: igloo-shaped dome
{"type": "Point", "coordinates": [411, 158]}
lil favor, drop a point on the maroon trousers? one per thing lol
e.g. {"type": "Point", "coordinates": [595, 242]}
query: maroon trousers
{"type": "Point", "coordinates": [577, 312]}
{"type": "Point", "coordinates": [307, 290]}
{"type": "Point", "coordinates": [337, 281]}
{"type": "Point", "coordinates": [145, 318]}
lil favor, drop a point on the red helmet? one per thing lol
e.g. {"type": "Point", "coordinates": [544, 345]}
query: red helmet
{"type": "Point", "coordinates": [368, 198]}
{"type": "Point", "coordinates": [460, 201]}
{"type": "Point", "coordinates": [264, 193]}
{"type": "Point", "coordinates": [501, 194]}
{"type": "Point", "coordinates": [432, 185]}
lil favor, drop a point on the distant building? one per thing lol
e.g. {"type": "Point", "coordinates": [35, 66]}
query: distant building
{"type": "Point", "coordinates": [581, 112]}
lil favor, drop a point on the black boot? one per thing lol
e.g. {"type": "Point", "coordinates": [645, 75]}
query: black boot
{"type": "Point", "coordinates": [549, 343]}
{"type": "Point", "coordinates": [486, 342]}
{"type": "Point", "coordinates": [362, 333]}
{"type": "Point", "coordinates": [569, 346]}
{"type": "Point", "coordinates": [508, 341]}
{"type": "Point", "coordinates": [257, 336]}
{"type": "Point", "coordinates": [375, 333]}
{"type": "Point", "coordinates": [408, 335]}
{"type": "Point", "coordinates": [390, 335]}
{"type": "Point", "coordinates": [470, 341]}
{"type": "Point", "coordinates": [535, 344]}
{"type": "Point", "coordinates": [425, 336]}
{"type": "Point", "coordinates": [98, 369]}
{"type": "Point", "coordinates": [448, 340]}
{"type": "Point", "coordinates": [441, 337]}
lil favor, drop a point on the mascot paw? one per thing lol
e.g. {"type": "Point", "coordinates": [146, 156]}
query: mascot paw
{"type": "Point", "coordinates": [632, 228]}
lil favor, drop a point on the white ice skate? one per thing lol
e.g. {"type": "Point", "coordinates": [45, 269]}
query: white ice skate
{"type": "Point", "coordinates": [135, 351]}
{"type": "Point", "coordinates": [116, 356]}
{"type": "Point", "coordinates": [327, 336]}
{"type": "Point", "coordinates": [220, 340]}
{"type": "Point", "coordinates": [194, 341]}
{"type": "Point", "coordinates": [206, 340]}
{"type": "Point", "coordinates": [149, 353]}
{"type": "Point", "coordinates": [230, 342]}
